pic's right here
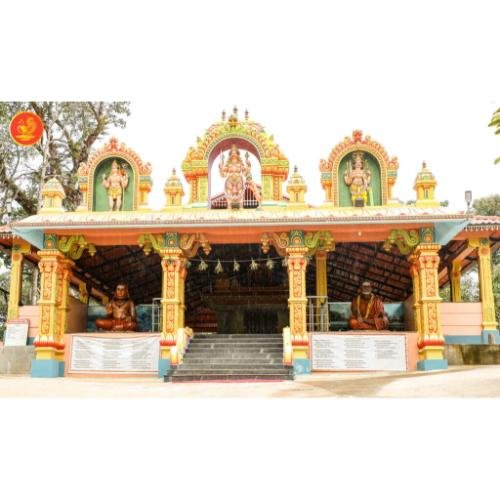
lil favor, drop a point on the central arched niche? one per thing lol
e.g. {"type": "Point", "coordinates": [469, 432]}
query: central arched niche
{"type": "Point", "coordinates": [375, 191]}
{"type": "Point", "coordinates": [252, 137]}
{"type": "Point", "coordinates": [215, 180]}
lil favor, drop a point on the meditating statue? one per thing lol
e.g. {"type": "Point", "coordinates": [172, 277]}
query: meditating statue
{"type": "Point", "coordinates": [120, 312]}
{"type": "Point", "coordinates": [368, 311]}
{"type": "Point", "coordinates": [115, 184]}
{"type": "Point", "coordinates": [358, 179]}
{"type": "Point", "coordinates": [236, 173]}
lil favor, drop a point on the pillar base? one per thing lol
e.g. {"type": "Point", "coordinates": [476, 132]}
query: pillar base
{"type": "Point", "coordinates": [301, 366]}
{"type": "Point", "coordinates": [490, 337]}
{"type": "Point", "coordinates": [432, 364]}
{"type": "Point", "coordinates": [47, 368]}
{"type": "Point", "coordinates": [163, 367]}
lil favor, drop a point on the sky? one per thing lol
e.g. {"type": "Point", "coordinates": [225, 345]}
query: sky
{"type": "Point", "coordinates": [422, 78]}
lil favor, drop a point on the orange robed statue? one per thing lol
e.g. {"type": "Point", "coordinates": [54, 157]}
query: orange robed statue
{"type": "Point", "coordinates": [120, 312]}
{"type": "Point", "coordinates": [368, 311]}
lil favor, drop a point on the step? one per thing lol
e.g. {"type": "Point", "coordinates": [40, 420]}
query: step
{"type": "Point", "coordinates": [237, 341]}
{"type": "Point", "coordinates": [233, 361]}
{"type": "Point", "coordinates": [229, 348]}
{"type": "Point", "coordinates": [230, 371]}
{"type": "Point", "coordinates": [230, 366]}
{"type": "Point", "coordinates": [239, 336]}
{"type": "Point", "coordinates": [224, 377]}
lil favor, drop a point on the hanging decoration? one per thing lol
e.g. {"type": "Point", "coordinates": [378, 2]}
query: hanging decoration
{"type": "Point", "coordinates": [254, 265]}
{"type": "Point", "coordinates": [218, 268]}
{"type": "Point", "coordinates": [236, 266]}
{"type": "Point", "coordinates": [269, 264]}
{"type": "Point", "coordinates": [203, 266]}
{"type": "Point", "coordinates": [284, 262]}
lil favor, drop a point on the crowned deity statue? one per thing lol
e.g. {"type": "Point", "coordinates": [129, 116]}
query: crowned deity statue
{"type": "Point", "coordinates": [237, 175]}
{"type": "Point", "coordinates": [358, 178]}
{"type": "Point", "coordinates": [115, 184]}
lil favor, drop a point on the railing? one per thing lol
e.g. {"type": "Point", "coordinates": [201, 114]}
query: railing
{"type": "Point", "coordinates": [318, 319]}
{"type": "Point", "coordinates": [156, 315]}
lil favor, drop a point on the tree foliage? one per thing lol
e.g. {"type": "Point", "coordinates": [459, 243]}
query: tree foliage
{"type": "Point", "coordinates": [71, 129]}
{"type": "Point", "coordinates": [495, 122]}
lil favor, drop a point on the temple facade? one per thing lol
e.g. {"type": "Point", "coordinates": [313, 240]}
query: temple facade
{"type": "Point", "coordinates": [251, 257]}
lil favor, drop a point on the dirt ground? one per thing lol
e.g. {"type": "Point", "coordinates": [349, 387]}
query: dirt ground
{"type": "Point", "coordinates": [463, 381]}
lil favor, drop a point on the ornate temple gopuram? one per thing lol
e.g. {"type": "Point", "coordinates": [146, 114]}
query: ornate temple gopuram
{"type": "Point", "coordinates": [243, 256]}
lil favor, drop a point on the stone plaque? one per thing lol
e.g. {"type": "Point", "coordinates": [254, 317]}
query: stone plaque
{"type": "Point", "coordinates": [355, 352]}
{"type": "Point", "coordinates": [16, 333]}
{"type": "Point", "coordinates": [131, 354]}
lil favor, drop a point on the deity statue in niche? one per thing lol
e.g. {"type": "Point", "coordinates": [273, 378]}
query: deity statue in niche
{"type": "Point", "coordinates": [120, 312]}
{"type": "Point", "coordinates": [238, 176]}
{"type": "Point", "coordinates": [358, 178]}
{"type": "Point", "coordinates": [115, 184]}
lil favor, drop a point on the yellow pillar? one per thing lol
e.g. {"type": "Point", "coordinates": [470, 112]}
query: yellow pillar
{"type": "Point", "coordinates": [430, 336]}
{"type": "Point", "coordinates": [172, 301]}
{"type": "Point", "coordinates": [455, 275]}
{"type": "Point", "coordinates": [16, 276]}
{"type": "Point", "coordinates": [297, 264]}
{"type": "Point", "coordinates": [417, 306]}
{"type": "Point", "coordinates": [48, 342]}
{"type": "Point", "coordinates": [486, 288]}
{"type": "Point", "coordinates": [64, 276]}
{"type": "Point", "coordinates": [321, 290]}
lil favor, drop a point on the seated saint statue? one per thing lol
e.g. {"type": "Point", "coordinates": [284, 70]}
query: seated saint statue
{"type": "Point", "coordinates": [120, 312]}
{"type": "Point", "coordinates": [368, 311]}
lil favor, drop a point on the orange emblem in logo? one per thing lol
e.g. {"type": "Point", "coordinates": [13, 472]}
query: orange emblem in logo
{"type": "Point", "coordinates": [26, 128]}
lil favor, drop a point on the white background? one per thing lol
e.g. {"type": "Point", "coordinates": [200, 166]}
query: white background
{"type": "Point", "coordinates": [422, 78]}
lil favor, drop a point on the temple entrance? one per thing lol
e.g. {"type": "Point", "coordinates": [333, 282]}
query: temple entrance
{"type": "Point", "coordinates": [237, 290]}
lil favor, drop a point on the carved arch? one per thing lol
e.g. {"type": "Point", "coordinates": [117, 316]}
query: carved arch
{"type": "Point", "coordinates": [329, 169]}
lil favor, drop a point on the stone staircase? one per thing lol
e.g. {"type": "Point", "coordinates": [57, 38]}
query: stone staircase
{"type": "Point", "coordinates": [232, 357]}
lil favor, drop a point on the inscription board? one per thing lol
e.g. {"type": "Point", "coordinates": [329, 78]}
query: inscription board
{"type": "Point", "coordinates": [137, 354]}
{"type": "Point", "coordinates": [348, 352]}
{"type": "Point", "coordinates": [16, 333]}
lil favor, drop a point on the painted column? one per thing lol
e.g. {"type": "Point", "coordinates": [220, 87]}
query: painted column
{"type": "Point", "coordinates": [489, 325]}
{"type": "Point", "coordinates": [321, 290]}
{"type": "Point", "coordinates": [172, 301]}
{"type": "Point", "coordinates": [16, 275]}
{"type": "Point", "coordinates": [455, 275]}
{"type": "Point", "coordinates": [47, 342]}
{"type": "Point", "coordinates": [430, 336]}
{"type": "Point", "coordinates": [64, 276]}
{"type": "Point", "coordinates": [297, 264]}
{"type": "Point", "coordinates": [417, 306]}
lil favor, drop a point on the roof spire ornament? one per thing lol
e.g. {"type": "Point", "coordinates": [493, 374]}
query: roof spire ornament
{"type": "Point", "coordinates": [425, 184]}
{"type": "Point", "coordinates": [246, 114]}
{"type": "Point", "coordinates": [223, 115]}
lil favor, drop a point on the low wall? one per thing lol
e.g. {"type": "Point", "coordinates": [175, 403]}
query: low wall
{"type": "Point", "coordinates": [457, 354]}
{"type": "Point", "coordinates": [16, 360]}
{"type": "Point", "coordinates": [461, 322]}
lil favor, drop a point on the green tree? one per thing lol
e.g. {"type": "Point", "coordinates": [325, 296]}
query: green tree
{"type": "Point", "coordinates": [495, 122]}
{"type": "Point", "coordinates": [71, 129]}
{"type": "Point", "coordinates": [489, 205]}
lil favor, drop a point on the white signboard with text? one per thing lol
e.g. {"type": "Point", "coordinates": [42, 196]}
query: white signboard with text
{"type": "Point", "coordinates": [355, 352]}
{"type": "Point", "coordinates": [135, 354]}
{"type": "Point", "coordinates": [16, 333]}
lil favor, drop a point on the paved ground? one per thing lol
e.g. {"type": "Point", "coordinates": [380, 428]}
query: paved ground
{"type": "Point", "coordinates": [463, 381]}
